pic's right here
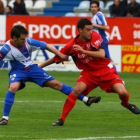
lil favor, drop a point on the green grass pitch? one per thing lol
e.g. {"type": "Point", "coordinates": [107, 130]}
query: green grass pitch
{"type": "Point", "coordinates": [35, 109]}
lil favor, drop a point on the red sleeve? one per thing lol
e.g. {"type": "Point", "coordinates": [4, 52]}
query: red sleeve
{"type": "Point", "coordinates": [96, 40]}
{"type": "Point", "coordinates": [65, 50]}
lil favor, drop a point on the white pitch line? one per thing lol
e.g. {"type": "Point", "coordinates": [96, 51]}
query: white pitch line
{"type": "Point", "coordinates": [89, 138]}
{"type": "Point", "coordinates": [7, 136]}
{"type": "Point", "coordinates": [95, 138]}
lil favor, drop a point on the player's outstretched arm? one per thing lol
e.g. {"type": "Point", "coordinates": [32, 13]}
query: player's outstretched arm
{"type": "Point", "coordinates": [47, 63]}
{"type": "Point", "coordinates": [52, 49]}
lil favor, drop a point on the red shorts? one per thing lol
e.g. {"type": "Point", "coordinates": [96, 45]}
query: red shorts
{"type": "Point", "coordinates": [104, 78]}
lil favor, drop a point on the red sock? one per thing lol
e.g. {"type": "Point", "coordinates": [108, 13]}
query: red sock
{"type": "Point", "coordinates": [125, 100]}
{"type": "Point", "coordinates": [68, 106]}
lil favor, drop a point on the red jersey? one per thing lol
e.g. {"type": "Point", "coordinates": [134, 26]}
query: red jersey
{"type": "Point", "coordinates": [83, 61]}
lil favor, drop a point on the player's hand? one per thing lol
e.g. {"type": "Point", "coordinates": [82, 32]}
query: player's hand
{"type": "Point", "coordinates": [94, 25]}
{"type": "Point", "coordinates": [78, 48]}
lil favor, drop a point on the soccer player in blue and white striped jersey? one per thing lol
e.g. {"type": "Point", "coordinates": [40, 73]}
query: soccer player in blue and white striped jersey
{"type": "Point", "coordinates": [99, 24]}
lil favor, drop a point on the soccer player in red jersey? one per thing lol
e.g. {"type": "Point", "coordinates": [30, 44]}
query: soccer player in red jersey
{"type": "Point", "coordinates": [89, 56]}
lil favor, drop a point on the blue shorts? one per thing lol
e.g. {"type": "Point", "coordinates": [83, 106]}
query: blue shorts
{"type": "Point", "coordinates": [105, 47]}
{"type": "Point", "coordinates": [107, 54]}
{"type": "Point", "coordinates": [33, 74]}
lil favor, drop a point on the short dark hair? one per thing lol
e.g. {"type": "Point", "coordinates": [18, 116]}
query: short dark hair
{"type": "Point", "coordinates": [9, 7]}
{"type": "Point", "coordinates": [17, 30]}
{"type": "Point", "coordinates": [82, 22]}
{"type": "Point", "coordinates": [95, 2]}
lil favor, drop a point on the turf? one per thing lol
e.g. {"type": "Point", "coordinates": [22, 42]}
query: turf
{"type": "Point", "coordinates": [35, 109]}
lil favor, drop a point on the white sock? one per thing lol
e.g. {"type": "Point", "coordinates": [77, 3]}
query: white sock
{"type": "Point", "coordinates": [85, 99]}
{"type": "Point", "coordinates": [6, 117]}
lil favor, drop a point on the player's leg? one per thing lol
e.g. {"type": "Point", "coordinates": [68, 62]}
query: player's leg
{"type": "Point", "coordinates": [16, 82]}
{"type": "Point", "coordinates": [84, 83]}
{"type": "Point", "coordinates": [122, 92]}
{"type": "Point", "coordinates": [9, 100]}
{"type": "Point", "coordinates": [64, 88]}
{"type": "Point", "coordinates": [44, 79]}
{"type": "Point", "coordinates": [70, 102]}
{"type": "Point", "coordinates": [124, 96]}
{"type": "Point", "coordinates": [112, 83]}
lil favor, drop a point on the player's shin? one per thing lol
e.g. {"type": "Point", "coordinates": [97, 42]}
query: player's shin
{"type": "Point", "coordinates": [66, 89]}
{"type": "Point", "coordinates": [83, 98]}
{"type": "Point", "coordinates": [125, 99]}
{"type": "Point", "coordinates": [68, 106]}
{"type": "Point", "coordinates": [9, 100]}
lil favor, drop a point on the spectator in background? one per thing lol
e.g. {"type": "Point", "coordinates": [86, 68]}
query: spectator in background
{"type": "Point", "coordinates": [19, 8]}
{"type": "Point", "coordinates": [133, 9]}
{"type": "Point", "coordinates": [1, 8]}
{"type": "Point", "coordinates": [118, 9]}
{"type": "Point", "coordinates": [99, 24]}
{"type": "Point", "coordinates": [8, 10]}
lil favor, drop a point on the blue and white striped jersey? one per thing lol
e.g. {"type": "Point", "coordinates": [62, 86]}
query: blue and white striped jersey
{"type": "Point", "coordinates": [100, 20]}
{"type": "Point", "coordinates": [20, 57]}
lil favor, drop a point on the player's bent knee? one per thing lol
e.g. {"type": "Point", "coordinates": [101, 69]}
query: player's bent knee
{"type": "Point", "coordinates": [13, 89]}
{"type": "Point", "coordinates": [123, 93]}
{"type": "Point", "coordinates": [77, 91]}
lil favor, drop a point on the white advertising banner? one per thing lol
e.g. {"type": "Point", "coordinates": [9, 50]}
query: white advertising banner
{"type": "Point", "coordinates": [116, 56]}
{"type": "Point", "coordinates": [2, 29]}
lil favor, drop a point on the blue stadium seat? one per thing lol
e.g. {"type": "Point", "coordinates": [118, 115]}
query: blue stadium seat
{"type": "Point", "coordinates": [66, 3]}
{"type": "Point", "coordinates": [61, 8]}
{"type": "Point", "coordinates": [53, 14]}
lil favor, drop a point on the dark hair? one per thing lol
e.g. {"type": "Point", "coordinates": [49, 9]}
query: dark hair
{"type": "Point", "coordinates": [82, 22]}
{"type": "Point", "coordinates": [9, 7]}
{"type": "Point", "coordinates": [95, 2]}
{"type": "Point", "coordinates": [18, 30]}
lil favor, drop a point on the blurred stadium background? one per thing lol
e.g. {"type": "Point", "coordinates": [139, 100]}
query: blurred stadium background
{"type": "Point", "coordinates": [61, 7]}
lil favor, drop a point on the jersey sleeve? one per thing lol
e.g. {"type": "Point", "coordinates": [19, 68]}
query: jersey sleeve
{"type": "Point", "coordinates": [66, 50]}
{"type": "Point", "coordinates": [36, 44]}
{"type": "Point", "coordinates": [3, 52]}
{"type": "Point", "coordinates": [101, 19]}
{"type": "Point", "coordinates": [96, 40]}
